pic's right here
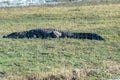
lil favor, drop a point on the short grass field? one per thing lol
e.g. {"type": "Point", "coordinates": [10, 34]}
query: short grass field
{"type": "Point", "coordinates": [63, 59]}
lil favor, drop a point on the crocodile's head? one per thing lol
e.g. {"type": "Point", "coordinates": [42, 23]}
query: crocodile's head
{"type": "Point", "coordinates": [12, 35]}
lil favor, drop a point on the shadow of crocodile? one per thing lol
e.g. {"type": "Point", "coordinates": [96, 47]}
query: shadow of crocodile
{"type": "Point", "coordinates": [52, 33]}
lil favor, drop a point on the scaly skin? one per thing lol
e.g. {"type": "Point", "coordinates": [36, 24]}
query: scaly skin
{"type": "Point", "coordinates": [52, 33]}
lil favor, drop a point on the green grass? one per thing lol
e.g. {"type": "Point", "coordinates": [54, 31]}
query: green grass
{"type": "Point", "coordinates": [41, 57]}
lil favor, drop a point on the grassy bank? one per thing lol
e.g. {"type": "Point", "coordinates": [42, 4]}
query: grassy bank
{"type": "Point", "coordinates": [41, 57]}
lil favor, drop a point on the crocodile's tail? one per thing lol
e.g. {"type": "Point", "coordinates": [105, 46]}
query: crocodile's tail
{"type": "Point", "coordinates": [91, 36]}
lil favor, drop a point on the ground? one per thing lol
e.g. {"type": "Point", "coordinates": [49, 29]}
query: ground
{"type": "Point", "coordinates": [21, 59]}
